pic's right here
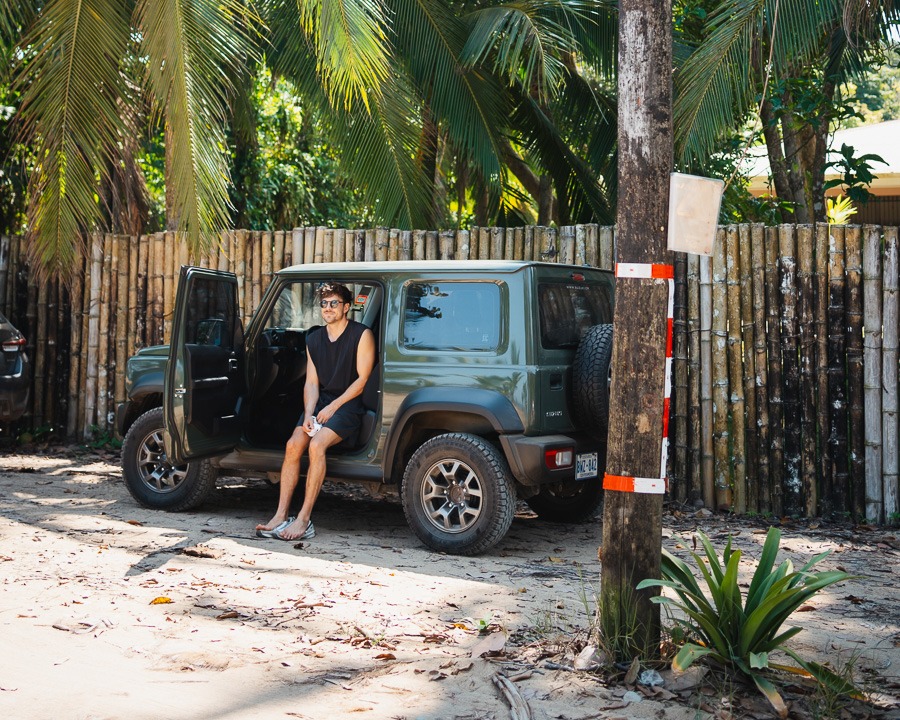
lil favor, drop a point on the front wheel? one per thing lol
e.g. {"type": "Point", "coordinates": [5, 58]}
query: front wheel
{"type": "Point", "coordinates": [151, 479]}
{"type": "Point", "coordinates": [457, 494]}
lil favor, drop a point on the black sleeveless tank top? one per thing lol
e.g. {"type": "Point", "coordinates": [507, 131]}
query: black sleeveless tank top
{"type": "Point", "coordinates": [336, 363]}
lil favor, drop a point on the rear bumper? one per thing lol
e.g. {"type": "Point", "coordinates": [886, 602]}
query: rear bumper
{"type": "Point", "coordinates": [526, 457]}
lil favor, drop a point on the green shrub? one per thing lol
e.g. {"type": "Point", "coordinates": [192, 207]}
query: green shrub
{"type": "Point", "coordinates": [738, 633]}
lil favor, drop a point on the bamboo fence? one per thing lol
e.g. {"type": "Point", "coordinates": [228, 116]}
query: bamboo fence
{"type": "Point", "coordinates": [785, 373]}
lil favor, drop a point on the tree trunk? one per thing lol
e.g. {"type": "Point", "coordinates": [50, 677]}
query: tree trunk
{"type": "Point", "coordinates": [777, 164]}
{"type": "Point", "coordinates": [632, 522]}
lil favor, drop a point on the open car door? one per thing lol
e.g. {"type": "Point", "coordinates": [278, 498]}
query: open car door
{"type": "Point", "coordinates": [205, 374]}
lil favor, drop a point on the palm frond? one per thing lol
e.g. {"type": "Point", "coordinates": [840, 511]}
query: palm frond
{"type": "Point", "coordinates": [378, 151]}
{"type": "Point", "coordinates": [194, 47]}
{"type": "Point", "coordinates": [351, 45]}
{"type": "Point", "coordinates": [525, 45]}
{"type": "Point", "coordinates": [71, 85]}
{"type": "Point", "coordinates": [470, 104]}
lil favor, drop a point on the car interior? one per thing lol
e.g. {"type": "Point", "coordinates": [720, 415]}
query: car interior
{"type": "Point", "coordinates": [278, 361]}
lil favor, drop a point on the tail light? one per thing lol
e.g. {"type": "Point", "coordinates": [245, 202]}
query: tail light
{"type": "Point", "coordinates": [14, 344]}
{"type": "Point", "coordinates": [559, 458]}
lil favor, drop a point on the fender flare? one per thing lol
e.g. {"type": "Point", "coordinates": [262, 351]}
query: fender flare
{"type": "Point", "coordinates": [491, 405]}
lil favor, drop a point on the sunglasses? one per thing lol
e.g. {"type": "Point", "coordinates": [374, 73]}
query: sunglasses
{"type": "Point", "coordinates": [330, 303]}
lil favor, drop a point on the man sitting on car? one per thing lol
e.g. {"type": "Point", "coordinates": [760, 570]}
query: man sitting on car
{"type": "Point", "coordinates": [340, 358]}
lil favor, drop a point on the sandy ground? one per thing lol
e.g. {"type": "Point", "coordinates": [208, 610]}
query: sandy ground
{"type": "Point", "coordinates": [110, 611]}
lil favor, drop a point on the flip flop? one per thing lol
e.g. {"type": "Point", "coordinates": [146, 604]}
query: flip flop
{"type": "Point", "coordinates": [308, 534]}
{"type": "Point", "coordinates": [273, 532]}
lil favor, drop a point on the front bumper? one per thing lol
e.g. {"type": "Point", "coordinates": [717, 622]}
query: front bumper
{"type": "Point", "coordinates": [525, 456]}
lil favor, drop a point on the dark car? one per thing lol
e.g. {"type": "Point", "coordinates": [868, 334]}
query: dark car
{"type": "Point", "coordinates": [15, 372]}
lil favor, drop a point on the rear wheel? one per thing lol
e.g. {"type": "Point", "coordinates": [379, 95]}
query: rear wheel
{"type": "Point", "coordinates": [151, 479]}
{"type": "Point", "coordinates": [457, 494]}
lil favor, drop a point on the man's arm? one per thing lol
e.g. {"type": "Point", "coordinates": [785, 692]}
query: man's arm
{"type": "Point", "coordinates": [310, 393]}
{"type": "Point", "coordinates": [365, 361]}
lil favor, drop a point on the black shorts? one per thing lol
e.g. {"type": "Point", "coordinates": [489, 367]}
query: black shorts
{"type": "Point", "coordinates": [343, 423]}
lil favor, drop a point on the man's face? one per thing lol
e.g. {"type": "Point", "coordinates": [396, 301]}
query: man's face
{"type": "Point", "coordinates": [333, 308]}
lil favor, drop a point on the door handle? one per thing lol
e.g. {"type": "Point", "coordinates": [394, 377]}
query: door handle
{"type": "Point", "coordinates": [232, 364]}
{"type": "Point", "coordinates": [180, 392]}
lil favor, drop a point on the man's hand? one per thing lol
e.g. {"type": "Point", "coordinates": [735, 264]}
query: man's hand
{"type": "Point", "coordinates": [325, 414]}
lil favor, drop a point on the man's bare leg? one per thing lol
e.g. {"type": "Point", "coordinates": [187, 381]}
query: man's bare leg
{"type": "Point", "coordinates": [290, 476]}
{"type": "Point", "coordinates": [315, 476]}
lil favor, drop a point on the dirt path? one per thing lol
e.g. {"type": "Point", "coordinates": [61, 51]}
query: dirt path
{"type": "Point", "coordinates": [109, 611]}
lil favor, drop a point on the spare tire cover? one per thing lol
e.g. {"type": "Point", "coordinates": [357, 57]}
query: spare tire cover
{"type": "Point", "coordinates": [590, 375]}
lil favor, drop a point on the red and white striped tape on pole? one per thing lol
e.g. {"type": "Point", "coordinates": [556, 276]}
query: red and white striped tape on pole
{"type": "Point", "coordinates": [628, 483]}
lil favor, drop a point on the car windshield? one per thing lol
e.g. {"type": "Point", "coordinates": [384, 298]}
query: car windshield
{"type": "Point", "coordinates": [569, 309]}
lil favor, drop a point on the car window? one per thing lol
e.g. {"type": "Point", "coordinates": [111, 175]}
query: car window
{"type": "Point", "coordinates": [296, 307]}
{"type": "Point", "coordinates": [460, 316]}
{"type": "Point", "coordinates": [211, 316]}
{"type": "Point", "coordinates": [569, 309]}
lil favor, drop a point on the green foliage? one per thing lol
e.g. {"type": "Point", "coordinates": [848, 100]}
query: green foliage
{"type": "Point", "coordinates": [856, 173]}
{"type": "Point", "coordinates": [742, 633]}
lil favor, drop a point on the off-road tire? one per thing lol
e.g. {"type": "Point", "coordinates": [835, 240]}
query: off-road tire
{"type": "Point", "coordinates": [572, 502]}
{"type": "Point", "coordinates": [457, 494]}
{"type": "Point", "coordinates": [590, 374]}
{"type": "Point", "coordinates": [149, 477]}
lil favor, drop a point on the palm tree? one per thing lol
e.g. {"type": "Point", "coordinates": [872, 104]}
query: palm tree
{"type": "Point", "coordinates": [786, 59]}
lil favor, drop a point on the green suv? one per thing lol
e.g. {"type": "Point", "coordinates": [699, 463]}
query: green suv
{"type": "Point", "coordinates": [491, 383]}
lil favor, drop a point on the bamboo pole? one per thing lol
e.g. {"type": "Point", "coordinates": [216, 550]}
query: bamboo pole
{"type": "Point", "coordinates": [340, 245]}
{"type": "Point", "coordinates": [890, 403]}
{"type": "Point", "coordinates": [319, 245]}
{"type": "Point", "coordinates": [309, 245]}
{"type": "Point", "coordinates": [31, 330]}
{"type": "Point", "coordinates": [745, 257]}
{"type": "Point", "coordinates": [418, 245]}
{"type": "Point", "coordinates": [50, 409]}
{"type": "Point", "coordinates": [60, 329]}
{"type": "Point", "coordinates": [327, 245]}
{"type": "Point", "coordinates": [791, 368]}
{"type": "Point", "coordinates": [581, 245]}
{"type": "Point", "coordinates": [837, 381]}
{"type": "Point", "coordinates": [855, 386]}
{"type": "Point", "coordinates": [707, 456]}
{"type": "Point", "coordinates": [93, 337]}
{"type": "Point", "coordinates": [370, 245]}
{"type": "Point", "coordinates": [519, 244]}
{"type": "Point", "coordinates": [278, 251]}
{"type": "Point", "coordinates": [735, 359]}
{"type": "Point", "coordinates": [567, 244]}
{"type": "Point", "coordinates": [463, 245]}
{"type": "Point", "coordinates": [528, 243]}
{"type": "Point", "coordinates": [143, 318]}
{"type": "Point", "coordinates": [123, 312]}
{"type": "Point", "coordinates": [106, 283]}
{"type": "Point", "coordinates": [267, 241]}
{"type": "Point", "coordinates": [447, 243]}
{"type": "Point", "coordinates": [807, 348]}
{"type": "Point", "coordinates": [381, 244]}
{"type": "Point", "coordinates": [405, 244]}
{"type": "Point", "coordinates": [776, 401]}
{"type": "Point", "coordinates": [4, 270]}
{"type": "Point", "coordinates": [821, 328]}
{"type": "Point", "coordinates": [349, 246]}
{"type": "Point", "coordinates": [296, 246]}
{"type": "Point", "coordinates": [607, 245]}
{"type": "Point", "coordinates": [257, 240]}
{"type": "Point", "coordinates": [393, 245]}
{"type": "Point", "coordinates": [695, 489]}
{"type": "Point", "coordinates": [761, 502]}
{"type": "Point", "coordinates": [38, 356]}
{"type": "Point", "coordinates": [169, 281]}
{"type": "Point", "coordinates": [431, 245]}
{"type": "Point", "coordinates": [679, 403]}
{"type": "Point", "coordinates": [484, 243]}
{"type": "Point", "coordinates": [721, 435]}
{"type": "Point", "coordinates": [872, 380]}
{"type": "Point", "coordinates": [496, 243]}
{"type": "Point", "coordinates": [509, 244]}
{"type": "Point", "coordinates": [75, 355]}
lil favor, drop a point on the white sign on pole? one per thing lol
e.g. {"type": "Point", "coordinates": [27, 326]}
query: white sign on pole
{"type": "Point", "coordinates": [693, 213]}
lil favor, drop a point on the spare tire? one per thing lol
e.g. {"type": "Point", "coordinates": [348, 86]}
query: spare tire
{"type": "Point", "coordinates": [590, 375]}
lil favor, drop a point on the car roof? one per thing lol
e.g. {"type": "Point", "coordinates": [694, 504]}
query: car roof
{"type": "Point", "coordinates": [418, 266]}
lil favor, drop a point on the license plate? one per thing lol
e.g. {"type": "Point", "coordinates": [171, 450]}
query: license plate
{"type": "Point", "coordinates": [585, 466]}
